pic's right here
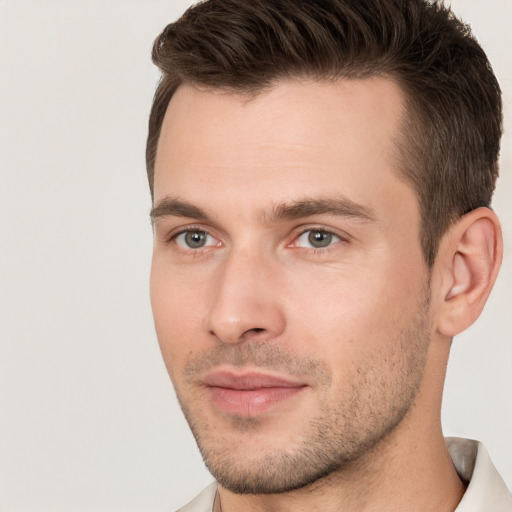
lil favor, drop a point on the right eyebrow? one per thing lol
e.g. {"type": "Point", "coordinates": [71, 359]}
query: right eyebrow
{"type": "Point", "coordinates": [172, 206]}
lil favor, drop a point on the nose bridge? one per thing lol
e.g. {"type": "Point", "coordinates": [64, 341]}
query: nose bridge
{"type": "Point", "coordinates": [245, 302]}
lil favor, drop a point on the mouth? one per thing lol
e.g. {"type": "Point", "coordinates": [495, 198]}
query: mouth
{"type": "Point", "coordinates": [249, 394]}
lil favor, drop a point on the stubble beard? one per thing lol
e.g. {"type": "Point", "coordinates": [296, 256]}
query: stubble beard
{"type": "Point", "coordinates": [341, 435]}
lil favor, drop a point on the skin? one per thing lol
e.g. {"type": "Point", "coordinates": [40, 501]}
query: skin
{"type": "Point", "coordinates": [361, 324]}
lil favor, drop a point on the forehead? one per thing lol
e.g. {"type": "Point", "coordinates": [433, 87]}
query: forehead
{"type": "Point", "coordinates": [299, 137]}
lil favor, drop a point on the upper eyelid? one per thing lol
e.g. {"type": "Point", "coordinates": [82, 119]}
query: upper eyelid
{"type": "Point", "coordinates": [181, 231]}
{"type": "Point", "coordinates": [343, 235]}
{"type": "Point", "coordinates": [320, 230]}
{"type": "Point", "coordinates": [171, 233]}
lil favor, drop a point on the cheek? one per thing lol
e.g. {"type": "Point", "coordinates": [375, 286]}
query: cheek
{"type": "Point", "coordinates": [338, 304]}
{"type": "Point", "coordinates": [176, 306]}
{"type": "Point", "coordinates": [350, 315]}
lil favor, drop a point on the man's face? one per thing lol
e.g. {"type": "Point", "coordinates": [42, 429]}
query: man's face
{"type": "Point", "coordinates": [288, 287]}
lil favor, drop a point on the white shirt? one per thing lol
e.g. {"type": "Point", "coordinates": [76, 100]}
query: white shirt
{"type": "Point", "coordinates": [486, 491]}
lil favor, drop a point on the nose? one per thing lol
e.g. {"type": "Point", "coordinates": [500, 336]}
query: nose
{"type": "Point", "coordinates": [245, 302]}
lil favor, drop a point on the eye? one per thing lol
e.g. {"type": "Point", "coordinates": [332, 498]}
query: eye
{"type": "Point", "coordinates": [317, 239]}
{"type": "Point", "coordinates": [195, 239]}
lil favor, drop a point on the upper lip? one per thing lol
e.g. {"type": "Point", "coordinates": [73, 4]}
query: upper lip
{"type": "Point", "coordinates": [248, 380]}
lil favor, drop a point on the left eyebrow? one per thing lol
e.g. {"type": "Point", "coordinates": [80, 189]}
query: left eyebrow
{"type": "Point", "coordinates": [341, 206]}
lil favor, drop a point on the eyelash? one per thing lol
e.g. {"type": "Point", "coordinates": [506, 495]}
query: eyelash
{"type": "Point", "coordinates": [320, 251]}
{"type": "Point", "coordinates": [173, 237]}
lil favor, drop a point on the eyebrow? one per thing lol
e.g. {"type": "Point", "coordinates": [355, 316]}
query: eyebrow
{"type": "Point", "coordinates": [339, 206]}
{"type": "Point", "coordinates": [172, 206]}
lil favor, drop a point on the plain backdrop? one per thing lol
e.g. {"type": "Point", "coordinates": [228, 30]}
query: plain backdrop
{"type": "Point", "coordinates": [88, 417]}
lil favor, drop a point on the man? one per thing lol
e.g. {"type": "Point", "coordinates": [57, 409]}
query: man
{"type": "Point", "coordinates": [321, 174]}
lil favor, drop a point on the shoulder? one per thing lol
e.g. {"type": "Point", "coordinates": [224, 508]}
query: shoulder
{"type": "Point", "coordinates": [486, 489]}
{"type": "Point", "coordinates": [203, 502]}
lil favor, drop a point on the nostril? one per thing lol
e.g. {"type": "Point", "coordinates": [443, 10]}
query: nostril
{"type": "Point", "coordinates": [256, 329]}
{"type": "Point", "coordinates": [253, 333]}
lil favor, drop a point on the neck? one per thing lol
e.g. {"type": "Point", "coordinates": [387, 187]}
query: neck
{"type": "Point", "coordinates": [384, 481]}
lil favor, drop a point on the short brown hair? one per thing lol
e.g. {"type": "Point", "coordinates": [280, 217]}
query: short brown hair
{"type": "Point", "coordinates": [449, 144]}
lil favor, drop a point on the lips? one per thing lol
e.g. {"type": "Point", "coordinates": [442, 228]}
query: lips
{"type": "Point", "coordinates": [249, 394]}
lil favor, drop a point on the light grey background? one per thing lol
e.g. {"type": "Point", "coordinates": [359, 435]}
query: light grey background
{"type": "Point", "coordinates": [88, 418]}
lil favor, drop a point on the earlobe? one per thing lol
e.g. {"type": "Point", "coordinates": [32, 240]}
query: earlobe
{"type": "Point", "coordinates": [472, 252]}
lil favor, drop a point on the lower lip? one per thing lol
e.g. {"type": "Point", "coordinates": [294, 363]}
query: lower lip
{"type": "Point", "coordinates": [252, 402]}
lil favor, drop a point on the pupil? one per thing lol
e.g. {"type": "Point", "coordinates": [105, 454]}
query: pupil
{"type": "Point", "coordinates": [195, 239]}
{"type": "Point", "coordinates": [319, 238]}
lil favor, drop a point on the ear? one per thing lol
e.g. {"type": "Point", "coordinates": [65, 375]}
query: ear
{"type": "Point", "coordinates": [469, 259]}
